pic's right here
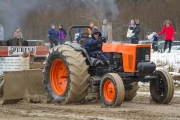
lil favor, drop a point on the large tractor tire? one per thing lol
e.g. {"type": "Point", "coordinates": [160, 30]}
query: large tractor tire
{"type": "Point", "coordinates": [130, 94]}
{"type": "Point", "coordinates": [112, 90]}
{"type": "Point", "coordinates": [66, 75]}
{"type": "Point", "coordinates": [1, 85]}
{"type": "Point", "coordinates": [162, 89]}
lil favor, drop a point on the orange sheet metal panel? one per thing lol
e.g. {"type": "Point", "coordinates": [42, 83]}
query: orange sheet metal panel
{"type": "Point", "coordinates": [128, 53]}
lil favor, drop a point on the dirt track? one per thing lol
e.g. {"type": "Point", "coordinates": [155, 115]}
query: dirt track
{"type": "Point", "coordinates": [140, 108]}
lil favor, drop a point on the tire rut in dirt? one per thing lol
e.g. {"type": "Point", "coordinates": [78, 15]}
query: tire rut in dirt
{"type": "Point", "coordinates": [77, 72]}
{"type": "Point", "coordinates": [1, 85]}
{"type": "Point", "coordinates": [163, 93]}
{"type": "Point", "coordinates": [130, 94]}
{"type": "Point", "coordinates": [118, 96]}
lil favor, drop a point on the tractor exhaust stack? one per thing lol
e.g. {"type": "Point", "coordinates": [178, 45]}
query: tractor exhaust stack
{"type": "Point", "coordinates": [110, 38]}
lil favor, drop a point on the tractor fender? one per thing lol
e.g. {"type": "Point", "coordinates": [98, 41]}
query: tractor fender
{"type": "Point", "coordinates": [79, 47]}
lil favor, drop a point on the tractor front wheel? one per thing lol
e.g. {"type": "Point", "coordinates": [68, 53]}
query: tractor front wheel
{"type": "Point", "coordinates": [112, 90]}
{"type": "Point", "coordinates": [162, 89]}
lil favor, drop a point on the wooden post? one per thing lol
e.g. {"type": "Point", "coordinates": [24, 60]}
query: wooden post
{"type": "Point", "coordinates": [110, 38]}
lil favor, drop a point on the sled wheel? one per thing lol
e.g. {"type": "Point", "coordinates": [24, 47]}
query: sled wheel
{"type": "Point", "coordinates": [162, 89]}
{"type": "Point", "coordinates": [112, 90]}
{"type": "Point", "coordinates": [130, 94]}
{"type": "Point", "coordinates": [1, 85]}
{"type": "Point", "coordinates": [66, 75]}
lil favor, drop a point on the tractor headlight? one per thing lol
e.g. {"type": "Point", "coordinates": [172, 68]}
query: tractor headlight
{"type": "Point", "coordinates": [146, 57]}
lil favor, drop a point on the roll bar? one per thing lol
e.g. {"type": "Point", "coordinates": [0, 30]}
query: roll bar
{"type": "Point", "coordinates": [77, 26]}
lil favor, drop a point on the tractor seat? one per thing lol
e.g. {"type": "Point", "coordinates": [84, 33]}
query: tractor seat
{"type": "Point", "coordinates": [84, 36]}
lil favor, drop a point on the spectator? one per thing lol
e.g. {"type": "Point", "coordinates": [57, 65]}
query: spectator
{"type": "Point", "coordinates": [89, 30]}
{"type": "Point", "coordinates": [61, 34]}
{"type": "Point", "coordinates": [168, 29]}
{"type": "Point", "coordinates": [130, 30]}
{"type": "Point", "coordinates": [136, 31]}
{"type": "Point", "coordinates": [52, 35]}
{"type": "Point", "coordinates": [105, 30]}
{"type": "Point", "coordinates": [18, 35]}
{"type": "Point", "coordinates": [1, 32]}
{"type": "Point", "coordinates": [78, 35]}
{"type": "Point", "coordinates": [93, 46]}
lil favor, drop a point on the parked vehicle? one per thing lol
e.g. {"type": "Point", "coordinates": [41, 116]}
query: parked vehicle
{"type": "Point", "coordinates": [161, 44]}
{"type": "Point", "coordinates": [144, 42]}
{"type": "Point", "coordinates": [176, 47]}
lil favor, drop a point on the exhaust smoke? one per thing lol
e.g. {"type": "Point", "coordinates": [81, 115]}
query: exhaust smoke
{"type": "Point", "coordinates": [110, 12]}
{"type": "Point", "coordinates": [109, 9]}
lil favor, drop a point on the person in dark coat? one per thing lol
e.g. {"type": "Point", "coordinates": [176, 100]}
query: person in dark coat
{"type": "Point", "coordinates": [168, 29]}
{"type": "Point", "coordinates": [93, 46]}
{"type": "Point", "coordinates": [61, 35]}
{"type": "Point", "coordinates": [18, 36]}
{"type": "Point", "coordinates": [52, 35]}
{"type": "Point", "coordinates": [136, 31]}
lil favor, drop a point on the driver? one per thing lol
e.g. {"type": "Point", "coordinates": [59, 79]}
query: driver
{"type": "Point", "coordinates": [93, 46]}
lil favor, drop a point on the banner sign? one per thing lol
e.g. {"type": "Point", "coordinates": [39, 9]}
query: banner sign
{"type": "Point", "coordinates": [19, 50]}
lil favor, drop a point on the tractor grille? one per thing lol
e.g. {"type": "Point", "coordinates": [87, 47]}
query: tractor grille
{"type": "Point", "coordinates": [142, 54]}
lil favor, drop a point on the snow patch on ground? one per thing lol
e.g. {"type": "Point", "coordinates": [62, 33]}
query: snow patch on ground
{"type": "Point", "coordinates": [169, 62]}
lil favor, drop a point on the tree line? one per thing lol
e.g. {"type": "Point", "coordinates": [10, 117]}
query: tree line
{"type": "Point", "coordinates": [36, 21]}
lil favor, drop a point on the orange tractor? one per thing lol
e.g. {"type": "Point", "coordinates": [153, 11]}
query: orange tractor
{"type": "Point", "coordinates": [70, 74]}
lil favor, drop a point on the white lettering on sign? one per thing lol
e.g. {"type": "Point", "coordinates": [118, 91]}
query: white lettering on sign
{"type": "Point", "coordinates": [19, 50]}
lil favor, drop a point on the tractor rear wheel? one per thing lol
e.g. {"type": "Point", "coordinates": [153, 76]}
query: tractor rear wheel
{"type": "Point", "coordinates": [162, 89]}
{"type": "Point", "coordinates": [1, 85]}
{"type": "Point", "coordinates": [66, 75]}
{"type": "Point", "coordinates": [112, 90]}
{"type": "Point", "coordinates": [130, 94]}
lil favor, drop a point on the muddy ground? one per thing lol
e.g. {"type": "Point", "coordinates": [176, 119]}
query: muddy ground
{"type": "Point", "coordinates": [140, 108]}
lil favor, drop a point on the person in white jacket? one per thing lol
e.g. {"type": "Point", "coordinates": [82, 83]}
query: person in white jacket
{"type": "Point", "coordinates": [130, 30]}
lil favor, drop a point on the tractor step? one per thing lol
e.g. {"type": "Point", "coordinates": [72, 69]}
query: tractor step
{"type": "Point", "coordinates": [128, 87]}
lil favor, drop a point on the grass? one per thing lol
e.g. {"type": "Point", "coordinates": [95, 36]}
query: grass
{"type": "Point", "coordinates": [160, 63]}
{"type": "Point", "coordinates": [170, 68]}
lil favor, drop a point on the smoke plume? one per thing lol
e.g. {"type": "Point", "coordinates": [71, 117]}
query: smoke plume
{"type": "Point", "coordinates": [109, 9]}
{"type": "Point", "coordinates": [13, 13]}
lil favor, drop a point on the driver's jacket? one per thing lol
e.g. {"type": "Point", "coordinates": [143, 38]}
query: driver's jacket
{"type": "Point", "coordinates": [92, 45]}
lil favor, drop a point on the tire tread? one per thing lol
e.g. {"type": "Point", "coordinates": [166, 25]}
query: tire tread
{"type": "Point", "coordinates": [76, 64]}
